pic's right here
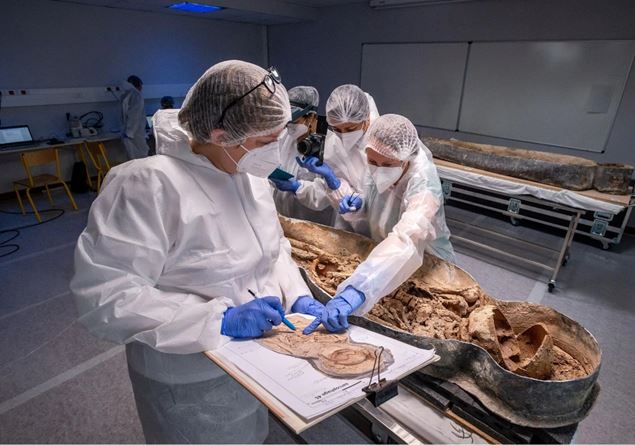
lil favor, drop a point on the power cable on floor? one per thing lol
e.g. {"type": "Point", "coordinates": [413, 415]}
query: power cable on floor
{"type": "Point", "coordinates": [15, 231]}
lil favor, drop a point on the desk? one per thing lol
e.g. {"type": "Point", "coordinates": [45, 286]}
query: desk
{"type": "Point", "coordinates": [63, 144]}
{"type": "Point", "coordinates": [547, 205]}
{"type": "Point", "coordinates": [73, 143]}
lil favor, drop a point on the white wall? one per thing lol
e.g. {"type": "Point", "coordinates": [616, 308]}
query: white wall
{"type": "Point", "coordinates": [48, 44]}
{"type": "Point", "coordinates": [327, 52]}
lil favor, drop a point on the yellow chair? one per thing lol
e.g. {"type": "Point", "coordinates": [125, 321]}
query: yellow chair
{"type": "Point", "coordinates": [99, 159]}
{"type": "Point", "coordinates": [38, 158]}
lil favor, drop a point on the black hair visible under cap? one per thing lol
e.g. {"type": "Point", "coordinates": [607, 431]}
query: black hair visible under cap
{"type": "Point", "coordinates": [167, 100]}
{"type": "Point", "coordinates": [135, 80]}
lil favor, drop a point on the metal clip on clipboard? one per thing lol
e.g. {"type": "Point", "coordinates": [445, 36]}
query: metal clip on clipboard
{"type": "Point", "coordinates": [382, 390]}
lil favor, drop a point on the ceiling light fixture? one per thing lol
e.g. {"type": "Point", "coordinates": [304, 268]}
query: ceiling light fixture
{"type": "Point", "coordinates": [195, 7]}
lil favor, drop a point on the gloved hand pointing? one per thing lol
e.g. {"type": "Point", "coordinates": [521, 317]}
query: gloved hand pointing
{"type": "Point", "coordinates": [334, 317]}
{"type": "Point", "coordinates": [289, 185]}
{"type": "Point", "coordinates": [308, 305]}
{"type": "Point", "coordinates": [252, 319]}
{"type": "Point", "coordinates": [323, 170]}
{"type": "Point", "coordinates": [350, 203]}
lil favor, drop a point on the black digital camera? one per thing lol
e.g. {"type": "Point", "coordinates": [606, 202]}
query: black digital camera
{"type": "Point", "coordinates": [312, 145]}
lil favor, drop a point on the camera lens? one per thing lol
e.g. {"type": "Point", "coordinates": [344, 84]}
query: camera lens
{"type": "Point", "coordinates": [303, 147]}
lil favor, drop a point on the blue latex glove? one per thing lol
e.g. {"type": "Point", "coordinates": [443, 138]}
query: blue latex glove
{"type": "Point", "coordinates": [252, 319]}
{"type": "Point", "coordinates": [323, 170]}
{"type": "Point", "coordinates": [310, 306]}
{"type": "Point", "coordinates": [334, 317]}
{"type": "Point", "coordinates": [290, 185]}
{"type": "Point", "coordinates": [350, 203]}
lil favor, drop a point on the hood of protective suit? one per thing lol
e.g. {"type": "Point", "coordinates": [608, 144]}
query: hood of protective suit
{"type": "Point", "coordinates": [172, 140]}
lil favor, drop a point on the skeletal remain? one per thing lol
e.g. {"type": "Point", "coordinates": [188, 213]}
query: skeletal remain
{"type": "Point", "coordinates": [440, 303]}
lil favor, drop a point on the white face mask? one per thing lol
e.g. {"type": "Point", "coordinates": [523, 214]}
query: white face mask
{"type": "Point", "coordinates": [350, 139]}
{"type": "Point", "coordinates": [297, 130]}
{"type": "Point", "coordinates": [384, 177]}
{"type": "Point", "coordinates": [261, 161]}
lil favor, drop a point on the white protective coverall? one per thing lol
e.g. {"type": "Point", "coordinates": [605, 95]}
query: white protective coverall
{"type": "Point", "coordinates": [406, 220]}
{"type": "Point", "coordinates": [133, 118]}
{"type": "Point", "coordinates": [288, 203]}
{"type": "Point", "coordinates": [350, 167]}
{"type": "Point", "coordinates": [171, 243]}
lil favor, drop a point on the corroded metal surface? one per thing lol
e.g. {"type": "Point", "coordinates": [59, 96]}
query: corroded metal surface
{"type": "Point", "coordinates": [522, 400]}
{"type": "Point", "coordinates": [613, 178]}
{"type": "Point", "coordinates": [570, 172]}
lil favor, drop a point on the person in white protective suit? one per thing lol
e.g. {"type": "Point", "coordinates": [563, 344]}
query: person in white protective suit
{"type": "Point", "coordinates": [173, 245]}
{"type": "Point", "coordinates": [304, 101]}
{"type": "Point", "coordinates": [349, 113]}
{"type": "Point", "coordinates": [133, 117]}
{"type": "Point", "coordinates": [401, 208]}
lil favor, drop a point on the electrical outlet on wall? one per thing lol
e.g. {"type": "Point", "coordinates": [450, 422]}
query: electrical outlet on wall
{"type": "Point", "coordinates": [20, 92]}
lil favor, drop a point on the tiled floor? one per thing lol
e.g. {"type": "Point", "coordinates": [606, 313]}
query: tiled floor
{"type": "Point", "coordinates": [60, 384]}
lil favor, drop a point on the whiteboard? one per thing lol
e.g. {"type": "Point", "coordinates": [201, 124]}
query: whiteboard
{"type": "Point", "coordinates": [562, 93]}
{"type": "Point", "coordinates": [421, 81]}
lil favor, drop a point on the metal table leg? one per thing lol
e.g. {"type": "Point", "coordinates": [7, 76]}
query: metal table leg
{"type": "Point", "coordinates": [564, 251]}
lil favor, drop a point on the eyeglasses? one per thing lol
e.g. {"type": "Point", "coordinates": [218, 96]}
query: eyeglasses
{"type": "Point", "coordinates": [272, 78]}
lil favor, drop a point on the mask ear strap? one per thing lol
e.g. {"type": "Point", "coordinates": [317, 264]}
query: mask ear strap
{"type": "Point", "coordinates": [230, 156]}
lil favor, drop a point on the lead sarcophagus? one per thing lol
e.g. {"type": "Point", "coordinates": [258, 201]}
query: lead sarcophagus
{"type": "Point", "coordinates": [527, 363]}
{"type": "Point", "coordinates": [569, 172]}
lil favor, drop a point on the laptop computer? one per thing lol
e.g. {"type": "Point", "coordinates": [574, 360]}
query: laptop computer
{"type": "Point", "coordinates": [16, 136]}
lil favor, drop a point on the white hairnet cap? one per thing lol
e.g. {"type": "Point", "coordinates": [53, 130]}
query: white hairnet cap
{"type": "Point", "coordinates": [303, 96]}
{"type": "Point", "coordinates": [257, 114]}
{"type": "Point", "coordinates": [347, 104]}
{"type": "Point", "coordinates": [393, 136]}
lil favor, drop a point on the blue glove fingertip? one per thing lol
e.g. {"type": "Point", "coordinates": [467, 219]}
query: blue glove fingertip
{"type": "Point", "coordinates": [312, 327]}
{"type": "Point", "coordinates": [343, 321]}
{"type": "Point", "coordinates": [302, 163]}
